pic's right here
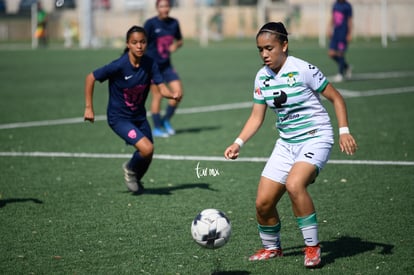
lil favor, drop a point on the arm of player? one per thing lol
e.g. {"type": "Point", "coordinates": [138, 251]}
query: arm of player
{"type": "Point", "coordinates": [167, 93]}
{"type": "Point", "coordinates": [176, 45]}
{"type": "Point", "coordinates": [250, 128]}
{"type": "Point", "coordinates": [347, 142]}
{"type": "Point", "coordinates": [350, 29]}
{"type": "Point", "coordinates": [89, 87]}
{"type": "Point", "coordinates": [330, 27]}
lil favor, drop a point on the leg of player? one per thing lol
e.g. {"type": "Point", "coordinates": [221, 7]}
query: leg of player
{"type": "Point", "coordinates": [268, 195]}
{"type": "Point", "coordinates": [136, 168]}
{"type": "Point", "coordinates": [158, 130]}
{"type": "Point", "coordinates": [342, 65]}
{"type": "Point", "coordinates": [175, 86]}
{"type": "Point", "coordinates": [335, 56]}
{"type": "Point", "coordinates": [332, 54]}
{"type": "Point", "coordinates": [345, 68]}
{"type": "Point", "coordinates": [300, 176]}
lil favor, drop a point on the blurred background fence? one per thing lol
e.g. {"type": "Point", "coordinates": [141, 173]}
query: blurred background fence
{"type": "Point", "coordinates": [97, 23]}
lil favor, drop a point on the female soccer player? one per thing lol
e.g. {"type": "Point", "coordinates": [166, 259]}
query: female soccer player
{"type": "Point", "coordinates": [129, 79]}
{"type": "Point", "coordinates": [340, 36]}
{"type": "Point", "coordinates": [164, 38]}
{"type": "Point", "coordinates": [291, 87]}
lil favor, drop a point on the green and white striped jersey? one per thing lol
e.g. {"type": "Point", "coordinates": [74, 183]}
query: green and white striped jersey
{"type": "Point", "coordinates": [294, 95]}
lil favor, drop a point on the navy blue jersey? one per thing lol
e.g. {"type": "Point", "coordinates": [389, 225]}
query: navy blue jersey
{"type": "Point", "coordinates": [128, 87]}
{"type": "Point", "coordinates": [341, 13]}
{"type": "Point", "coordinates": [161, 35]}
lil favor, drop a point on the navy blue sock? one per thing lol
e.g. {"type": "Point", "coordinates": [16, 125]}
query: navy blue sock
{"type": "Point", "coordinates": [169, 112]}
{"type": "Point", "coordinates": [143, 168]}
{"type": "Point", "coordinates": [139, 165]}
{"type": "Point", "coordinates": [156, 118]}
{"type": "Point", "coordinates": [342, 65]}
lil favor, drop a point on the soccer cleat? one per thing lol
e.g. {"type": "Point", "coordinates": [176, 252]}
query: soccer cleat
{"type": "Point", "coordinates": [130, 178]}
{"type": "Point", "coordinates": [170, 130]}
{"type": "Point", "coordinates": [158, 132]}
{"type": "Point", "coordinates": [266, 254]}
{"type": "Point", "coordinates": [140, 188]}
{"type": "Point", "coordinates": [312, 256]}
{"type": "Point", "coordinates": [348, 72]}
{"type": "Point", "coordinates": [337, 78]}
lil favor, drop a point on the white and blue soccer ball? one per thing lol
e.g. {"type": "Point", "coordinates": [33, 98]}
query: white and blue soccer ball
{"type": "Point", "coordinates": [211, 228]}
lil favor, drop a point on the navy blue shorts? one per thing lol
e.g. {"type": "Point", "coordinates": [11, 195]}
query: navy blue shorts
{"type": "Point", "coordinates": [169, 74]}
{"type": "Point", "coordinates": [339, 45]}
{"type": "Point", "coordinates": [132, 131]}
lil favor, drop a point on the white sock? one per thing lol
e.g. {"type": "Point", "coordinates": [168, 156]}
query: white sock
{"type": "Point", "coordinates": [270, 241]}
{"type": "Point", "coordinates": [310, 235]}
{"type": "Point", "coordinates": [270, 236]}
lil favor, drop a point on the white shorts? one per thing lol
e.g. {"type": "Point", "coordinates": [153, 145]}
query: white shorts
{"type": "Point", "coordinates": [315, 151]}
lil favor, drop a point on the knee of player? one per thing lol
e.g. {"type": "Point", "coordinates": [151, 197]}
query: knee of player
{"type": "Point", "coordinates": [147, 152]}
{"type": "Point", "coordinates": [295, 188]}
{"type": "Point", "coordinates": [263, 207]}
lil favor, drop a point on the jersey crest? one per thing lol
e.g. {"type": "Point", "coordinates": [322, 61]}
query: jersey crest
{"type": "Point", "coordinates": [291, 80]}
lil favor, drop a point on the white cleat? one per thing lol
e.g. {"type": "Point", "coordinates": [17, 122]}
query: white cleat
{"type": "Point", "coordinates": [130, 178]}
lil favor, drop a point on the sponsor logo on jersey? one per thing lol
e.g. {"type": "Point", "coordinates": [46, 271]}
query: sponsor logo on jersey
{"type": "Point", "coordinates": [289, 117]}
{"type": "Point", "coordinates": [266, 82]}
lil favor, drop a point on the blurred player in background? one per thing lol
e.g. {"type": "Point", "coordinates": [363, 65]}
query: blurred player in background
{"type": "Point", "coordinates": [164, 38]}
{"type": "Point", "coordinates": [291, 87]}
{"type": "Point", "coordinates": [130, 77]}
{"type": "Point", "coordinates": [41, 27]}
{"type": "Point", "coordinates": [340, 33]}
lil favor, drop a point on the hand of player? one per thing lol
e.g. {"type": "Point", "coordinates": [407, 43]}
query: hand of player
{"type": "Point", "coordinates": [172, 48]}
{"type": "Point", "coordinates": [347, 144]}
{"type": "Point", "coordinates": [89, 115]}
{"type": "Point", "coordinates": [177, 96]}
{"type": "Point", "coordinates": [348, 38]}
{"type": "Point", "coordinates": [232, 152]}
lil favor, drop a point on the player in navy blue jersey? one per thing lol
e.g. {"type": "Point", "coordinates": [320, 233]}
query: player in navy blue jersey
{"type": "Point", "coordinates": [129, 79]}
{"type": "Point", "coordinates": [164, 38]}
{"type": "Point", "coordinates": [341, 35]}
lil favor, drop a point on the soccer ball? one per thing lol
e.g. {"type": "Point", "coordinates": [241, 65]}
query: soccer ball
{"type": "Point", "coordinates": [211, 228]}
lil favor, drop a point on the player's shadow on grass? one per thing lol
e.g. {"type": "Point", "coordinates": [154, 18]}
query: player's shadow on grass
{"type": "Point", "coordinates": [342, 247]}
{"type": "Point", "coordinates": [197, 129]}
{"type": "Point", "coordinates": [4, 202]}
{"type": "Point", "coordinates": [168, 190]}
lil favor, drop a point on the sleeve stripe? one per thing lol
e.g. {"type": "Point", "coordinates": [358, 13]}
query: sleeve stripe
{"type": "Point", "coordinates": [259, 101]}
{"type": "Point", "coordinates": [323, 86]}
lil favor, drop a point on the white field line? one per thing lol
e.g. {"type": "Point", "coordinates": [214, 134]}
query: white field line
{"type": "Point", "coordinates": [381, 75]}
{"type": "Point", "coordinates": [183, 157]}
{"type": "Point", "coordinates": [47, 122]}
{"type": "Point", "coordinates": [192, 110]}
{"type": "Point", "coordinates": [202, 109]}
{"type": "Point", "coordinates": [348, 93]}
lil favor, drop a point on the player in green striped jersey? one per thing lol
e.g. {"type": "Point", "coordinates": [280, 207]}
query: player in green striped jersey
{"type": "Point", "coordinates": [291, 87]}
